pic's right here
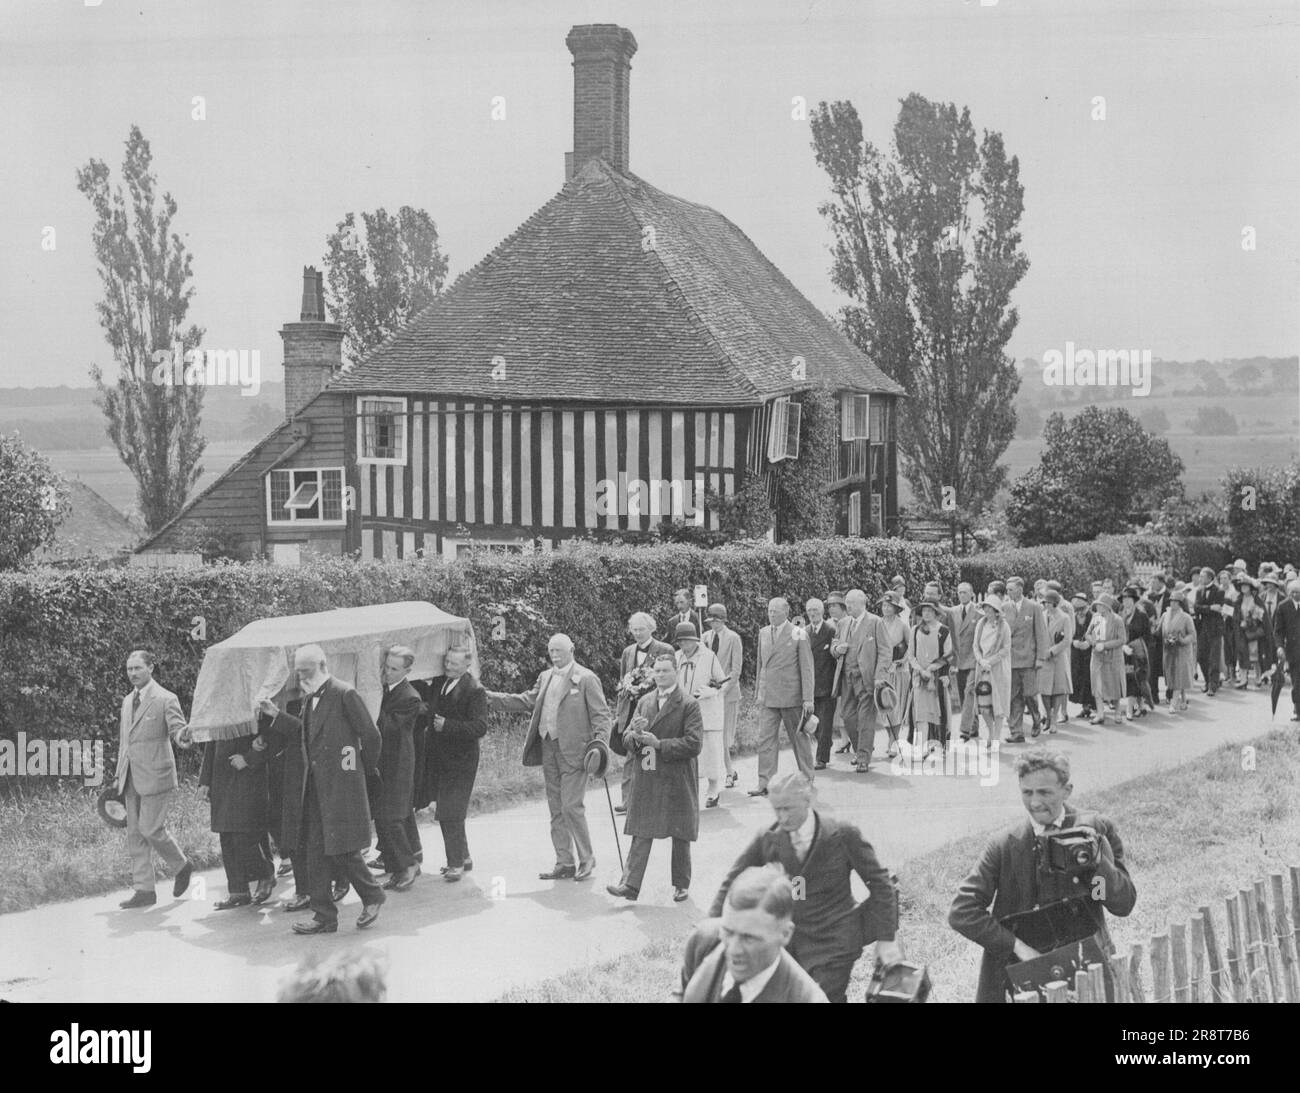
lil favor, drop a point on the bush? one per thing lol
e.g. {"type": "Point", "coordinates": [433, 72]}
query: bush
{"type": "Point", "coordinates": [64, 634]}
{"type": "Point", "coordinates": [1212, 421]}
{"type": "Point", "coordinates": [1264, 512]}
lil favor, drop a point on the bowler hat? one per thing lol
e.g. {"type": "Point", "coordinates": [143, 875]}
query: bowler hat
{"type": "Point", "coordinates": [886, 696]}
{"type": "Point", "coordinates": [1052, 596]}
{"type": "Point", "coordinates": [596, 758]}
{"type": "Point", "coordinates": [685, 630]}
{"type": "Point", "coordinates": [836, 597]}
{"type": "Point", "coordinates": [110, 807]}
{"type": "Point", "coordinates": [717, 611]}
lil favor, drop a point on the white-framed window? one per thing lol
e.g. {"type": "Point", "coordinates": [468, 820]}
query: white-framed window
{"type": "Point", "coordinates": [306, 497]}
{"type": "Point", "coordinates": [855, 513]}
{"type": "Point", "coordinates": [855, 417]}
{"type": "Point", "coordinates": [381, 430]}
{"type": "Point", "coordinates": [783, 436]}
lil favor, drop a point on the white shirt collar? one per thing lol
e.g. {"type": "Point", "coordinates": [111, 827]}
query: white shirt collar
{"type": "Point", "coordinates": [752, 987]}
{"type": "Point", "coordinates": [665, 694]}
{"type": "Point", "coordinates": [1040, 828]}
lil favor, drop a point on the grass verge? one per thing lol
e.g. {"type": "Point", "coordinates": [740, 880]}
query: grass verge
{"type": "Point", "coordinates": [1192, 835]}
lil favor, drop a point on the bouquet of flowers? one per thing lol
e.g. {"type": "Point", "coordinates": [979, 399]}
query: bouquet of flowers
{"type": "Point", "coordinates": [638, 683]}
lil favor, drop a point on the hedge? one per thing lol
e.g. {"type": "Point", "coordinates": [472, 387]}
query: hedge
{"type": "Point", "coordinates": [1077, 565]}
{"type": "Point", "coordinates": [64, 634]}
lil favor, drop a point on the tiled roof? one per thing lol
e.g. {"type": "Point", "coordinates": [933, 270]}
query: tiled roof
{"type": "Point", "coordinates": [581, 305]}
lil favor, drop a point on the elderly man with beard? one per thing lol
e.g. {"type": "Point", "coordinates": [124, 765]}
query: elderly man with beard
{"type": "Point", "coordinates": [330, 752]}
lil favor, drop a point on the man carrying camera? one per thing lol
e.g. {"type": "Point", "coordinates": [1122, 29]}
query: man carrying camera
{"type": "Point", "coordinates": [1057, 854]}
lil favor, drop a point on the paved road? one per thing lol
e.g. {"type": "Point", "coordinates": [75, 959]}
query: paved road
{"type": "Point", "coordinates": [502, 927]}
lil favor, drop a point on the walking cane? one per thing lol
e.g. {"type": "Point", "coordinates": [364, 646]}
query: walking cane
{"type": "Point", "coordinates": [618, 842]}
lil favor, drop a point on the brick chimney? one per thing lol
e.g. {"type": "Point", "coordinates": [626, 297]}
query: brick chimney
{"type": "Point", "coordinates": [602, 64]}
{"type": "Point", "coordinates": [313, 348]}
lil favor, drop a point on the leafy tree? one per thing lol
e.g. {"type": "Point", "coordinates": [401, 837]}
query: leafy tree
{"type": "Point", "coordinates": [1213, 421]}
{"type": "Point", "coordinates": [145, 271]}
{"type": "Point", "coordinates": [33, 502]}
{"type": "Point", "coordinates": [1154, 420]}
{"type": "Point", "coordinates": [1096, 469]}
{"type": "Point", "coordinates": [1285, 373]}
{"type": "Point", "coordinates": [1263, 511]}
{"type": "Point", "coordinates": [376, 283]}
{"type": "Point", "coordinates": [1246, 377]}
{"type": "Point", "coordinates": [927, 246]}
{"type": "Point", "coordinates": [1212, 383]}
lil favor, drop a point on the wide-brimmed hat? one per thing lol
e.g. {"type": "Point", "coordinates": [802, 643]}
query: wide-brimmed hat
{"type": "Point", "coordinates": [596, 758]}
{"type": "Point", "coordinates": [836, 597]}
{"type": "Point", "coordinates": [1132, 592]}
{"type": "Point", "coordinates": [685, 630]}
{"type": "Point", "coordinates": [717, 611]}
{"type": "Point", "coordinates": [1052, 596]}
{"type": "Point", "coordinates": [1178, 596]}
{"type": "Point", "coordinates": [1080, 596]}
{"type": "Point", "coordinates": [886, 696]}
{"type": "Point", "coordinates": [1273, 578]}
{"type": "Point", "coordinates": [895, 598]}
{"type": "Point", "coordinates": [1240, 579]}
{"type": "Point", "coordinates": [931, 602]}
{"type": "Point", "coordinates": [1240, 563]}
{"type": "Point", "coordinates": [1107, 600]}
{"type": "Point", "coordinates": [992, 600]}
{"type": "Point", "coordinates": [110, 807]}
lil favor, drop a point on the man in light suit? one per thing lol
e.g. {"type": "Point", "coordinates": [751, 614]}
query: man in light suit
{"type": "Point", "coordinates": [785, 689]}
{"type": "Point", "coordinates": [863, 661]}
{"type": "Point", "coordinates": [964, 616]}
{"type": "Point", "coordinates": [1029, 646]}
{"type": "Point", "coordinates": [724, 643]}
{"type": "Point", "coordinates": [568, 712]}
{"type": "Point", "coordinates": [741, 956]}
{"type": "Point", "coordinates": [821, 636]}
{"type": "Point", "coordinates": [146, 778]}
{"type": "Point", "coordinates": [637, 657]}
{"type": "Point", "coordinates": [831, 927]}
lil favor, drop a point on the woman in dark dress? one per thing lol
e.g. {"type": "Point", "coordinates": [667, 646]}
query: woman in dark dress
{"type": "Point", "coordinates": [1137, 655]}
{"type": "Point", "coordinates": [1081, 656]}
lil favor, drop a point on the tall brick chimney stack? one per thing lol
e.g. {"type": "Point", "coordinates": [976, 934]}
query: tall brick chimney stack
{"type": "Point", "coordinates": [313, 348]}
{"type": "Point", "coordinates": [602, 64]}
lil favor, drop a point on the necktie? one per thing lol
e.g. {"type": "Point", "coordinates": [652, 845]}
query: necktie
{"type": "Point", "coordinates": [446, 687]}
{"type": "Point", "coordinates": [690, 675]}
{"type": "Point", "coordinates": [965, 610]}
{"type": "Point", "coordinates": [135, 703]}
{"type": "Point", "coordinates": [732, 995]}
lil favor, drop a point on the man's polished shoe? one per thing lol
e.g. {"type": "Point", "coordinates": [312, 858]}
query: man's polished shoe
{"type": "Point", "coordinates": [585, 871]}
{"type": "Point", "coordinates": [316, 926]}
{"type": "Point", "coordinates": [620, 809]}
{"type": "Point", "coordinates": [680, 895]}
{"type": "Point", "coordinates": [622, 891]}
{"type": "Point", "coordinates": [401, 882]}
{"type": "Point", "coordinates": [263, 892]}
{"type": "Point", "coordinates": [452, 875]}
{"type": "Point", "coordinates": [559, 872]}
{"type": "Point", "coordinates": [182, 880]}
{"type": "Point", "coordinates": [239, 899]}
{"type": "Point", "coordinates": [340, 890]}
{"type": "Point", "coordinates": [377, 864]}
{"type": "Point", "coordinates": [369, 914]}
{"type": "Point", "coordinates": [297, 903]}
{"type": "Point", "coordinates": [761, 792]}
{"type": "Point", "coordinates": [139, 899]}
{"type": "Point", "coordinates": [819, 765]}
{"type": "Point", "coordinates": [286, 867]}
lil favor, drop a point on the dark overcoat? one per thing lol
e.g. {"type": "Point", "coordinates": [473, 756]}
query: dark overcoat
{"type": "Point", "coordinates": [666, 803]}
{"type": "Point", "coordinates": [1008, 878]}
{"type": "Point", "coordinates": [830, 925]}
{"type": "Point", "coordinates": [240, 799]}
{"type": "Point", "coordinates": [452, 755]}
{"type": "Point", "coordinates": [340, 748]}
{"type": "Point", "coordinates": [399, 712]}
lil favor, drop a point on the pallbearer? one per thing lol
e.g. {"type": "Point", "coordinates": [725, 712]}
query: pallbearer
{"type": "Point", "coordinates": [234, 779]}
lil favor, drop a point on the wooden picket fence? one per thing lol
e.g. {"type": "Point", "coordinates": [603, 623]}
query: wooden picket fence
{"type": "Point", "coordinates": [1259, 963]}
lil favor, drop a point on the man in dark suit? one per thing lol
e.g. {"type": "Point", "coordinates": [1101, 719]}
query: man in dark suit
{"type": "Point", "coordinates": [234, 779]}
{"type": "Point", "coordinates": [741, 957]}
{"type": "Point", "coordinates": [330, 752]}
{"type": "Point", "coordinates": [635, 663]}
{"type": "Point", "coordinates": [1158, 598]}
{"type": "Point", "coordinates": [395, 826]}
{"type": "Point", "coordinates": [568, 712]}
{"type": "Point", "coordinates": [821, 855]}
{"type": "Point", "coordinates": [821, 636]}
{"type": "Point", "coordinates": [459, 721]}
{"type": "Point", "coordinates": [1208, 616]}
{"type": "Point", "coordinates": [1286, 633]}
{"type": "Point", "coordinates": [683, 611]}
{"type": "Point", "coordinates": [1011, 877]}
{"type": "Point", "coordinates": [664, 738]}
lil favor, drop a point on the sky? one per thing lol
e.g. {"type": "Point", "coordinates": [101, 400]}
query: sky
{"type": "Point", "coordinates": [1133, 225]}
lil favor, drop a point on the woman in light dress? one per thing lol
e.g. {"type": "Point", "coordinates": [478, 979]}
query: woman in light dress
{"type": "Point", "coordinates": [1178, 633]}
{"type": "Point", "coordinates": [1106, 638]}
{"type": "Point", "coordinates": [992, 648]}
{"type": "Point", "coordinates": [891, 643]}
{"type": "Point", "coordinates": [701, 676]}
{"type": "Point", "coordinates": [929, 655]}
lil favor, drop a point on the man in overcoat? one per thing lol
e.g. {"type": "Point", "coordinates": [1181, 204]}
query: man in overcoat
{"type": "Point", "coordinates": [665, 736]}
{"type": "Point", "coordinates": [458, 721]}
{"type": "Point", "coordinates": [399, 711]}
{"type": "Point", "coordinates": [234, 779]}
{"type": "Point", "coordinates": [637, 659]}
{"type": "Point", "coordinates": [330, 752]}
